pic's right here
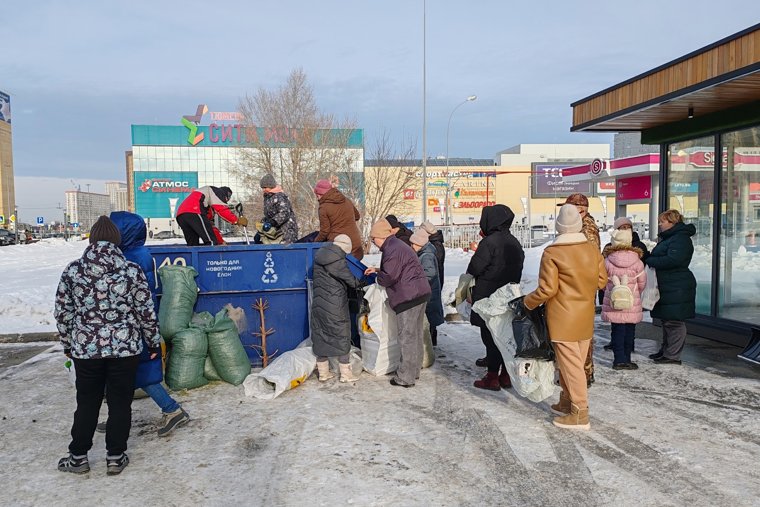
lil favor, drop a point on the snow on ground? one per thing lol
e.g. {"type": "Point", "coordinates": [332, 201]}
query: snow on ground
{"type": "Point", "coordinates": [661, 436]}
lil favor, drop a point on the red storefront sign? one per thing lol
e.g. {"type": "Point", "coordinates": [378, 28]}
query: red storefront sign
{"type": "Point", "coordinates": [634, 189]}
{"type": "Point", "coordinates": [409, 193]}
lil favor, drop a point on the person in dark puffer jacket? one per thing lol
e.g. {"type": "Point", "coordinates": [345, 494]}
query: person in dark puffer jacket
{"type": "Point", "coordinates": [400, 230]}
{"type": "Point", "coordinates": [434, 308]}
{"type": "Point", "coordinates": [678, 287]}
{"type": "Point", "coordinates": [408, 292]}
{"type": "Point", "coordinates": [150, 371]}
{"type": "Point", "coordinates": [330, 324]}
{"type": "Point", "coordinates": [497, 262]}
{"type": "Point", "coordinates": [278, 211]}
{"type": "Point", "coordinates": [103, 310]}
{"type": "Point", "coordinates": [435, 237]}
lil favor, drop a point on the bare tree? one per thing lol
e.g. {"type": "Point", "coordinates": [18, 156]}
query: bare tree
{"type": "Point", "coordinates": [389, 173]}
{"type": "Point", "coordinates": [289, 137]}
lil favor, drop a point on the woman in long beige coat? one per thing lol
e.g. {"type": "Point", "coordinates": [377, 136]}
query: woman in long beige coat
{"type": "Point", "coordinates": [572, 270]}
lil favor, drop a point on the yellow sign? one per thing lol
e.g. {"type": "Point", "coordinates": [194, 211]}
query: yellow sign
{"type": "Point", "coordinates": [13, 218]}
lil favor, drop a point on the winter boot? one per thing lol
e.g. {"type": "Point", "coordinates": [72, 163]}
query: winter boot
{"type": "Point", "coordinates": [504, 381]}
{"type": "Point", "coordinates": [490, 382]}
{"type": "Point", "coordinates": [346, 374]}
{"type": "Point", "coordinates": [74, 464]}
{"type": "Point", "coordinates": [577, 419]}
{"type": "Point", "coordinates": [115, 464]}
{"type": "Point", "coordinates": [323, 371]}
{"type": "Point", "coordinates": [482, 362]}
{"type": "Point", "coordinates": [172, 420]}
{"type": "Point", "coordinates": [563, 407]}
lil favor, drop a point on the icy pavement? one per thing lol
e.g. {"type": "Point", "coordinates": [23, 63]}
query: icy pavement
{"type": "Point", "coordinates": [660, 436]}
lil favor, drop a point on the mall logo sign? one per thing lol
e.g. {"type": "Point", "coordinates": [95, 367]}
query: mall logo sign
{"type": "Point", "coordinates": [192, 122]}
{"type": "Point", "coordinates": [165, 185]}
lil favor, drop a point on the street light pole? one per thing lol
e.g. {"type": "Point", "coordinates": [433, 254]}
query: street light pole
{"type": "Point", "coordinates": [424, 115]}
{"type": "Point", "coordinates": [471, 98]}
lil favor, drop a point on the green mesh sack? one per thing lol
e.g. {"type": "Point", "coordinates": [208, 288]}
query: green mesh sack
{"type": "Point", "coordinates": [177, 299]}
{"type": "Point", "coordinates": [226, 350]}
{"type": "Point", "coordinates": [203, 320]}
{"type": "Point", "coordinates": [187, 360]}
{"type": "Point", "coordinates": [209, 371]}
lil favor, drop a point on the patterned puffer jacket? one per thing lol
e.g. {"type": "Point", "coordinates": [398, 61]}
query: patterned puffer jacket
{"type": "Point", "coordinates": [279, 212]}
{"type": "Point", "coordinates": [103, 306]}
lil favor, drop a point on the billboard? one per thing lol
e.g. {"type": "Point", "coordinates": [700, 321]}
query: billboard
{"type": "Point", "coordinates": [548, 181]}
{"type": "Point", "coordinates": [5, 107]}
{"type": "Point", "coordinates": [155, 191]}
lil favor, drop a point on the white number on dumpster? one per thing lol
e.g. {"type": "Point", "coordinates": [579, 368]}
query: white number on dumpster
{"type": "Point", "coordinates": [178, 261]}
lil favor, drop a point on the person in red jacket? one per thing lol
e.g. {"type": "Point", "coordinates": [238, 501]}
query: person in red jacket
{"type": "Point", "coordinates": [196, 213]}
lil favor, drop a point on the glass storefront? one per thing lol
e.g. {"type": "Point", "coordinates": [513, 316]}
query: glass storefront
{"type": "Point", "coordinates": [691, 190]}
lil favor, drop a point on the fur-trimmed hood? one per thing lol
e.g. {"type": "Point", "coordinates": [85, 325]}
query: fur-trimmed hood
{"type": "Point", "coordinates": [621, 248]}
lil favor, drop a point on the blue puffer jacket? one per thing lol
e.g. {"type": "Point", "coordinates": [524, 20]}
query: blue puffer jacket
{"type": "Point", "coordinates": [133, 234]}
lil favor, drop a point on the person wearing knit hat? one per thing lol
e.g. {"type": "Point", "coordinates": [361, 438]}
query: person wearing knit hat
{"type": "Point", "coordinates": [621, 307]}
{"type": "Point", "coordinates": [400, 230]}
{"type": "Point", "coordinates": [436, 239]}
{"type": "Point", "coordinates": [571, 271]}
{"type": "Point", "coordinates": [104, 312]}
{"type": "Point", "coordinates": [621, 221]}
{"type": "Point", "coordinates": [434, 307]}
{"type": "Point", "coordinates": [105, 230]}
{"type": "Point", "coordinates": [338, 215]}
{"type": "Point", "coordinates": [278, 213]}
{"type": "Point", "coordinates": [401, 274]}
{"type": "Point", "coordinates": [330, 315]}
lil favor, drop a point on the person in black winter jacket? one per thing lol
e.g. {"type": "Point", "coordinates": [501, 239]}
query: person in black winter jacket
{"type": "Point", "coordinates": [330, 324]}
{"type": "Point", "coordinates": [426, 254]}
{"type": "Point", "coordinates": [401, 231]}
{"type": "Point", "coordinates": [497, 262]}
{"type": "Point", "coordinates": [435, 237]}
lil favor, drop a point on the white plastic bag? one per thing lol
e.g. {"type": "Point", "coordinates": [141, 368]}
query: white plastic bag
{"type": "Point", "coordinates": [288, 370]}
{"type": "Point", "coordinates": [651, 293]}
{"type": "Point", "coordinates": [531, 378]}
{"type": "Point", "coordinates": [69, 366]}
{"type": "Point", "coordinates": [380, 350]}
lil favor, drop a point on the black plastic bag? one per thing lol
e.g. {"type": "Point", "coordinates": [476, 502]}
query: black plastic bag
{"type": "Point", "coordinates": [531, 333]}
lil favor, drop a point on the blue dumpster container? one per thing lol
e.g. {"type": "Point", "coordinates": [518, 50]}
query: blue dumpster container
{"type": "Point", "coordinates": [240, 274]}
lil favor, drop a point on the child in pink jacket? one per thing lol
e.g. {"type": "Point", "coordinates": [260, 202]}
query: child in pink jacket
{"type": "Point", "coordinates": [622, 307]}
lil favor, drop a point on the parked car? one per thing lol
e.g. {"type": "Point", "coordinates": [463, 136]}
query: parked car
{"type": "Point", "coordinates": [7, 237]}
{"type": "Point", "coordinates": [165, 235]}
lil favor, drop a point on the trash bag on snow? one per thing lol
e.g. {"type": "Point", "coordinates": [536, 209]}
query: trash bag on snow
{"type": "Point", "coordinates": [187, 359]}
{"type": "Point", "coordinates": [530, 331]}
{"type": "Point", "coordinates": [380, 350]}
{"type": "Point", "coordinates": [531, 378]}
{"type": "Point", "coordinates": [288, 370]}
{"type": "Point", "coordinates": [179, 292]}
{"type": "Point", "coordinates": [428, 352]}
{"type": "Point", "coordinates": [226, 351]}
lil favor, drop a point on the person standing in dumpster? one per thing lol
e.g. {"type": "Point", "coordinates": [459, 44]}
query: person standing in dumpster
{"type": "Point", "coordinates": [591, 232]}
{"type": "Point", "coordinates": [337, 215]}
{"type": "Point", "coordinates": [278, 211]}
{"type": "Point", "coordinates": [103, 311]}
{"type": "Point", "coordinates": [434, 308]}
{"type": "Point", "coordinates": [402, 275]}
{"type": "Point", "coordinates": [571, 271]}
{"type": "Point", "coordinates": [150, 371]}
{"type": "Point", "coordinates": [497, 261]}
{"type": "Point", "coordinates": [196, 212]}
{"type": "Point", "coordinates": [330, 325]}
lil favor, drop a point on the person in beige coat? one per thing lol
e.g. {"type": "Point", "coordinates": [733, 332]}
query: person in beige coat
{"type": "Point", "coordinates": [572, 270]}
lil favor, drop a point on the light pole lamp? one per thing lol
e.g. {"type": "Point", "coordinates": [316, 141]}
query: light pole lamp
{"type": "Point", "coordinates": [471, 98]}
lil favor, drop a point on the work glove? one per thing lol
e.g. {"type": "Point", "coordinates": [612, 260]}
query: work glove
{"type": "Point", "coordinates": [242, 222]}
{"type": "Point", "coordinates": [266, 226]}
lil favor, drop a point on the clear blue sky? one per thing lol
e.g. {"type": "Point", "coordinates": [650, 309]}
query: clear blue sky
{"type": "Point", "coordinates": [81, 72]}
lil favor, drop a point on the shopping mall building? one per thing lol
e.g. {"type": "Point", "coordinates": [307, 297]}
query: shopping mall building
{"type": "Point", "coordinates": [703, 111]}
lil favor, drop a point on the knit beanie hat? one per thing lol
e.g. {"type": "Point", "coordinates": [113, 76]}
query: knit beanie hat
{"type": "Point", "coordinates": [105, 230]}
{"type": "Point", "coordinates": [428, 227]}
{"type": "Point", "coordinates": [622, 221]}
{"type": "Point", "coordinates": [419, 238]}
{"type": "Point", "coordinates": [380, 229]}
{"type": "Point", "coordinates": [568, 220]}
{"type": "Point", "coordinates": [322, 187]}
{"type": "Point", "coordinates": [268, 181]}
{"type": "Point", "coordinates": [344, 242]}
{"type": "Point", "coordinates": [621, 237]}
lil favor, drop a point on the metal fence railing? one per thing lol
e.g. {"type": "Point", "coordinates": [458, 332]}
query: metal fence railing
{"type": "Point", "coordinates": [460, 236]}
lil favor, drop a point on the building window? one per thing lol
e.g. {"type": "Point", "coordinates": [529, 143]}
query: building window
{"type": "Point", "coordinates": [690, 191]}
{"type": "Point", "coordinates": [739, 272]}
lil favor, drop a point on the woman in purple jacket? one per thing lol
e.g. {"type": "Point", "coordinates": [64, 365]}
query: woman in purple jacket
{"type": "Point", "coordinates": [408, 292]}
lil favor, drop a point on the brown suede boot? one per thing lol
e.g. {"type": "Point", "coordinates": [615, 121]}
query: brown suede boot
{"type": "Point", "coordinates": [563, 407]}
{"type": "Point", "coordinates": [490, 382]}
{"type": "Point", "coordinates": [577, 419]}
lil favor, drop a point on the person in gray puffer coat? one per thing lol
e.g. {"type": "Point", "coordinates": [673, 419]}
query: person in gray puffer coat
{"type": "Point", "coordinates": [278, 212]}
{"type": "Point", "coordinates": [330, 318]}
{"type": "Point", "coordinates": [426, 253]}
{"type": "Point", "coordinates": [104, 311]}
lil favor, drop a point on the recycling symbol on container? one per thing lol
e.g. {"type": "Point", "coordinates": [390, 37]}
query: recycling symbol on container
{"type": "Point", "coordinates": [269, 275]}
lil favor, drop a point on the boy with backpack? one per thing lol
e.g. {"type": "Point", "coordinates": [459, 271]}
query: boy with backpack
{"type": "Point", "coordinates": [622, 297]}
